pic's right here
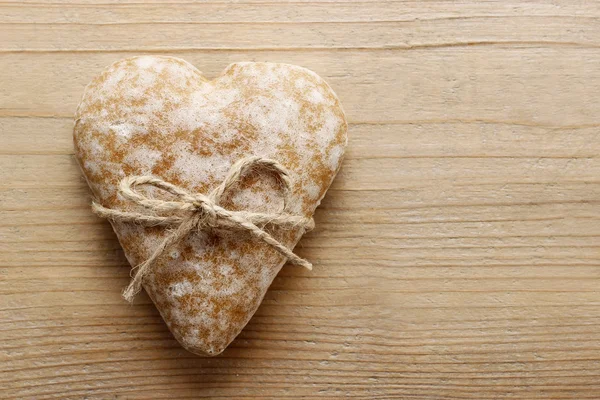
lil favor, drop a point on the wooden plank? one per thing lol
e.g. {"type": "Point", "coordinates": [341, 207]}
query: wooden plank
{"type": "Point", "coordinates": [552, 85]}
{"type": "Point", "coordinates": [24, 171]}
{"type": "Point", "coordinates": [577, 32]}
{"type": "Point", "coordinates": [410, 139]}
{"type": "Point", "coordinates": [93, 13]}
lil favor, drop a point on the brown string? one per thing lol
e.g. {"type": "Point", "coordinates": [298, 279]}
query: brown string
{"type": "Point", "coordinates": [197, 211]}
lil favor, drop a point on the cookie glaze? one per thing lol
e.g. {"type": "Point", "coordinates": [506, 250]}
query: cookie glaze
{"type": "Point", "coordinates": [155, 115]}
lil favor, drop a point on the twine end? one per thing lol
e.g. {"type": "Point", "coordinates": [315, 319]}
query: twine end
{"type": "Point", "coordinates": [129, 293]}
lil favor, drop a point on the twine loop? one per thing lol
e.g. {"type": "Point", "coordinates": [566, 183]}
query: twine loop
{"type": "Point", "coordinates": [189, 212]}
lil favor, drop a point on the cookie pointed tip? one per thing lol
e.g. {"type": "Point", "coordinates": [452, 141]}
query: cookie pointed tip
{"type": "Point", "coordinates": [204, 351]}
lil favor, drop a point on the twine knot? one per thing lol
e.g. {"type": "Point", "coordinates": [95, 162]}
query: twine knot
{"type": "Point", "coordinates": [189, 212]}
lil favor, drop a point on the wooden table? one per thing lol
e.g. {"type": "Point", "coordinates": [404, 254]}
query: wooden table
{"type": "Point", "coordinates": [457, 254]}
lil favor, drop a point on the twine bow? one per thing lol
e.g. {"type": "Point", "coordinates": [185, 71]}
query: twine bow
{"type": "Point", "coordinates": [197, 211]}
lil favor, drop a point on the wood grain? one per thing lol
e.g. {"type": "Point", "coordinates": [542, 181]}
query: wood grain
{"type": "Point", "coordinates": [457, 254]}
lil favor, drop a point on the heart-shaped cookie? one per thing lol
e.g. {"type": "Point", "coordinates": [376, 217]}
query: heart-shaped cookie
{"type": "Point", "coordinates": [159, 116]}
